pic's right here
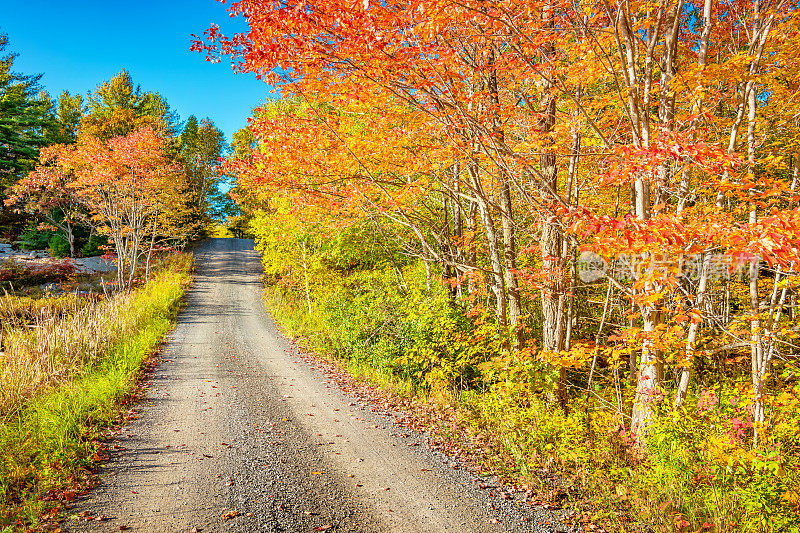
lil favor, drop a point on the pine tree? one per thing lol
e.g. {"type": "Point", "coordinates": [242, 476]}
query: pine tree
{"type": "Point", "coordinates": [26, 119]}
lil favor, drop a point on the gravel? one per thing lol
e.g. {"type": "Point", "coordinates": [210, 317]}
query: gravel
{"type": "Point", "coordinates": [238, 433]}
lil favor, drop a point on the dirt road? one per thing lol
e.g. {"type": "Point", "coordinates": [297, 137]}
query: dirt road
{"type": "Point", "coordinates": [238, 433]}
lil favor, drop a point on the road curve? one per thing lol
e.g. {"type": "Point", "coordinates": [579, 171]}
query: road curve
{"type": "Point", "coordinates": [238, 433]}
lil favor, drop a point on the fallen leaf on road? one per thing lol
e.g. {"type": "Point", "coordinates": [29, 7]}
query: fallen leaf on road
{"type": "Point", "coordinates": [326, 527]}
{"type": "Point", "coordinates": [317, 473]}
{"type": "Point", "coordinates": [230, 514]}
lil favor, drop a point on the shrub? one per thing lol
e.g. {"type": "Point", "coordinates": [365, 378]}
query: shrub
{"type": "Point", "coordinates": [94, 246]}
{"type": "Point", "coordinates": [33, 239]}
{"type": "Point", "coordinates": [17, 274]}
{"type": "Point", "coordinates": [59, 246]}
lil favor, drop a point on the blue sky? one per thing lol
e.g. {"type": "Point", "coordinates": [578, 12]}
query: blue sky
{"type": "Point", "coordinates": [78, 44]}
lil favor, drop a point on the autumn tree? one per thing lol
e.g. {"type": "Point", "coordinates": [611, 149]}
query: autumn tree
{"type": "Point", "coordinates": [47, 192]}
{"type": "Point", "coordinates": [127, 183]}
{"type": "Point", "coordinates": [498, 141]}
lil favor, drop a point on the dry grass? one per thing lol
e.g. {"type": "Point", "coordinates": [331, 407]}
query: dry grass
{"type": "Point", "coordinates": [61, 339]}
{"type": "Point", "coordinates": [66, 379]}
{"type": "Point", "coordinates": [27, 311]}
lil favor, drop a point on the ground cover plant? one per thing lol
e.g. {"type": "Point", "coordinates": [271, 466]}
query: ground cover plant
{"type": "Point", "coordinates": [697, 471]}
{"type": "Point", "coordinates": [65, 381]}
{"type": "Point", "coordinates": [17, 273]}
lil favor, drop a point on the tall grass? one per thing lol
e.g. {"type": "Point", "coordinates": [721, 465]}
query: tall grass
{"type": "Point", "coordinates": [58, 346]}
{"type": "Point", "coordinates": [21, 311]}
{"type": "Point", "coordinates": [64, 381]}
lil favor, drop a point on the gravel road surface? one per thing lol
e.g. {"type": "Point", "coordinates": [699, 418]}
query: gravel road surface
{"type": "Point", "coordinates": [238, 433]}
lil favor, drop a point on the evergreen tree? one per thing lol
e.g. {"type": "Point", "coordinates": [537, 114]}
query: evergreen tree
{"type": "Point", "coordinates": [27, 123]}
{"type": "Point", "coordinates": [26, 119]}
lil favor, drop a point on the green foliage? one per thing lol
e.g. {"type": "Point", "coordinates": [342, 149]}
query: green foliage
{"type": "Point", "coordinates": [362, 313]}
{"type": "Point", "coordinates": [118, 107]}
{"type": "Point", "coordinates": [200, 146]}
{"type": "Point", "coordinates": [58, 245]}
{"type": "Point", "coordinates": [69, 111]}
{"type": "Point", "coordinates": [443, 348]}
{"type": "Point", "coordinates": [26, 119]}
{"type": "Point", "coordinates": [533, 435]}
{"type": "Point", "coordinates": [34, 239]}
{"type": "Point", "coordinates": [699, 462]}
{"type": "Point", "coordinates": [95, 245]}
{"type": "Point", "coordinates": [357, 248]}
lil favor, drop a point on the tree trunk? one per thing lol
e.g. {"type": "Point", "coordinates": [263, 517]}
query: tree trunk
{"type": "Point", "coordinates": [691, 337]}
{"type": "Point", "coordinates": [70, 239]}
{"type": "Point", "coordinates": [651, 371]}
{"type": "Point", "coordinates": [305, 279]}
{"type": "Point", "coordinates": [551, 235]}
{"type": "Point", "coordinates": [150, 250]}
{"type": "Point", "coordinates": [510, 264]}
{"type": "Point", "coordinates": [506, 214]}
{"type": "Point", "coordinates": [498, 287]}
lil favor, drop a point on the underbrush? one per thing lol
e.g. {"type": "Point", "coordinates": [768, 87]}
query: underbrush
{"type": "Point", "coordinates": [64, 381]}
{"type": "Point", "coordinates": [697, 473]}
{"type": "Point", "coordinates": [18, 274]}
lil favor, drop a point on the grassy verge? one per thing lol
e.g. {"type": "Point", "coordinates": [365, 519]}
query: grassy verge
{"type": "Point", "coordinates": [69, 380]}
